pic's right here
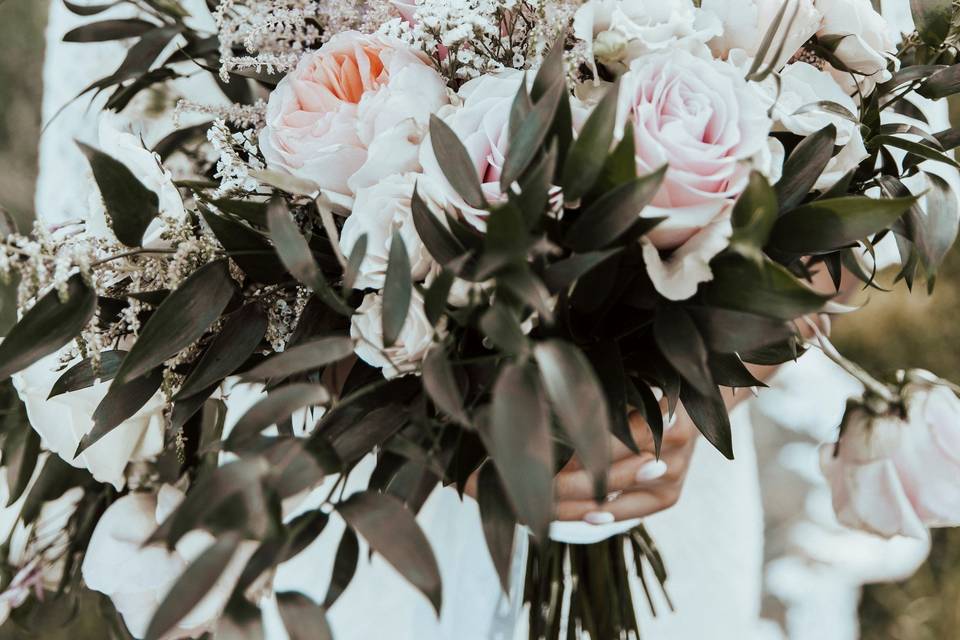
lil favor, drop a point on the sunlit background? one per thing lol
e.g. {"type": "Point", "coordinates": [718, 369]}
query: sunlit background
{"type": "Point", "coordinates": [895, 330]}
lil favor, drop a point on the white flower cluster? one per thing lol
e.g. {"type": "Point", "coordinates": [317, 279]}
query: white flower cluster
{"type": "Point", "coordinates": [238, 156]}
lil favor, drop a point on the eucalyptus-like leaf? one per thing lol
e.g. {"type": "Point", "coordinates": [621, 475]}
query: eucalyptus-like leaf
{"type": "Point", "coordinates": [942, 222]}
{"type": "Point", "coordinates": [84, 375]}
{"type": "Point", "coordinates": [280, 404]}
{"type": "Point", "coordinates": [105, 30]}
{"type": "Point", "coordinates": [607, 361]}
{"type": "Point", "coordinates": [122, 401]}
{"type": "Point", "coordinates": [304, 357]}
{"type": "Point", "coordinates": [579, 403]}
{"type": "Point", "coordinates": [391, 530]}
{"type": "Point", "coordinates": [358, 254]}
{"type": "Point", "coordinates": [182, 318]}
{"type": "Point", "coordinates": [826, 225]}
{"type": "Point", "coordinates": [614, 213]}
{"type": "Point", "coordinates": [435, 298]}
{"type": "Point", "coordinates": [564, 273]}
{"type": "Point", "coordinates": [517, 435]}
{"type": "Point", "coordinates": [286, 182]}
{"type": "Point", "coordinates": [804, 166]}
{"type": "Point", "coordinates": [296, 256]}
{"type": "Point", "coordinates": [532, 134]}
{"type": "Point", "coordinates": [21, 449]}
{"type": "Point", "coordinates": [499, 523]}
{"type": "Point", "coordinates": [767, 289]}
{"type": "Point", "coordinates": [755, 72]}
{"type": "Point", "coordinates": [303, 618]}
{"type": "Point", "coordinates": [589, 153]}
{"type": "Point", "coordinates": [47, 326]}
{"type": "Point", "coordinates": [551, 71]}
{"type": "Point", "coordinates": [241, 335]}
{"type": "Point", "coordinates": [252, 211]}
{"type": "Point", "coordinates": [191, 587]}
{"type": "Point", "coordinates": [529, 289]}
{"type": "Point", "coordinates": [728, 331]}
{"type": "Point", "coordinates": [130, 206]}
{"type": "Point", "coordinates": [753, 217]}
{"type": "Point", "coordinates": [441, 384]}
{"type": "Point", "coordinates": [709, 413]}
{"type": "Point", "coordinates": [88, 9]}
{"type": "Point", "coordinates": [344, 567]}
{"type": "Point", "coordinates": [681, 343]}
{"type": "Point", "coordinates": [456, 164]}
{"type": "Point", "coordinates": [248, 248]}
{"type": "Point", "coordinates": [729, 371]}
{"type": "Point", "coordinates": [503, 329]}
{"type": "Point", "coordinates": [933, 19]}
{"type": "Point", "coordinates": [397, 291]}
{"type": "Point", "coordinates": [438, 240]}
{"type": "Point", "coordinates": [918, 149]}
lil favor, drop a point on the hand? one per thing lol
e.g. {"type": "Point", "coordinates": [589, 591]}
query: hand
{"type": "Point", "coordinates": [638, 485]}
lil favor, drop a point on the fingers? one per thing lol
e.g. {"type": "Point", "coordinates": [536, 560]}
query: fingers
{"type": "Point", "coordinates": [625, 474]}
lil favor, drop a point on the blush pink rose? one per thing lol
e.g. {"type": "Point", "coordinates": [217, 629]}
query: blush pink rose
{"type": "Point", "coordinates": [699, 118]}
{"type": "Point", "coordinates": [893, 475]}
{"type": "Point", "coordinates": [351, 113]}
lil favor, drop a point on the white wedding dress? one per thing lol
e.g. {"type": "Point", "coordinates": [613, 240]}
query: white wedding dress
{"type": "Point", "coordinates": [712, 541]}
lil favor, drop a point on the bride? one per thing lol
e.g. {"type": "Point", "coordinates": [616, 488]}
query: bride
{"type": "Point", "coordinates": [704, 512]}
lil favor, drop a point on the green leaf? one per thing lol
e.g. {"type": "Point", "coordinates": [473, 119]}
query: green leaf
{"type": "Point", "coordinates": [357, 254]}
{"type": "Point", "coordinates": [308, 356]}
{"type": "Point", "coordinates": [614, 213]}
{"type": "Point", "coordinates": [435, 298]}
{"type": "Point", "coordinates": [438, 240]}
{"type": "Point", "coordinates": [122, 401]}
{"type": "Point", "coordinates": [607, 360]}
{"type": "Point", "coordinates": [242, 333]}
{"type": "Point", "coordinates": [456, 164]}
{"type": "Point", "coordinates": [804, 166]}
{"type": "Point", "coordinates": [286, 182]}
{"type": "Point", "coordinates": [253, 212]}
{"type": "Point", "coordinates": [182, 318]}
{"type": "Point", "coordinates": [130, 206]}
{"type": "Point", "coordinates": [296, 256]}
{"type": "Point", "coordinates": [940, 225]}
{"type": "Point", "coordinates": [827, 225]}
{"type": "Point", "coordinates": [580, 404]}
{"type": "Point", "coordinates": [709, 414]}
{"type": "Point", "coordinates": [391, 530]}
{"type": "Point", "coordinates": [754, 215]}
{"type": "Point", "coordinates": [682, 345]}
{"type": "Point", "coordinates": [933, 19]}
{"type": "Point", "coordinates": [344, 567]}
{"type": "Point", "coordinates": [21, 448]}
{"type": "Point", "coordinates": [564, 273]}
{"type": "Point", "coordinates": [303, 618]}
{"type": "Point", "coordinates": [529, 289]}
{"type": "Point", "coordinates": [397, 291]}
{"type": "Point", "coordinates": [441, 385]}
{"type": "Point", "coordinates": [535, 188]}
{"type": "Point", "coordinates": [88, 9]}
{"type": "Point", "coordinates": [767, 290]}
{"type": "Point", "coordinates": [83, 375]}
{"type": "Point", "coordinates": [728, 331]}
{"type": "Point", "coordinates": [280, 404]}
{"type": "Point", "coordinates": [503, 329]}
{"type": "Point", "coordinates": [532, 134]}
{"type": "Point", "coordinates": [190, 588]}
{"type": "Point", "coordinates": [47, 326]}
{"type": "Point", "coordinates": [517, 435]}
{"type": "Point", "coordinates": [763, 48]}
{"type": "Point", "coordinates": [551, 69]}
{"type": "Point", "coordinates": [498, 521]}
{"type": "Point", "coordinates": [248, 248]}
{"type": "Point", "coordinates": [729, 371]}
{"type": "Point", "coordinates": [589, 153]}
{"type": "Point", "coordinates": [918, 149]}
{"type": "Point", "coordinates": [109, 30]}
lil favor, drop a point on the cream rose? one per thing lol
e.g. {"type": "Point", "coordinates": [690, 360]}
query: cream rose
{"type": "Point", "coordinates": [137, 577]}
{"type": "Point", "coordinates": [617, 32]}
{"type": "Point", "coordinates": [893, 475]}
{"type": "Point", "coordinates": [746, 22]}
{"type": "Point", "coordinates": [378, 211]}
{"type": "Point", "coordinates": [404, 356]}
{"type": "Point", "coordinates": [867, 42]}
{"type": "Point", "coordinates": [699, 118]}
{"type": "Point", "coordinates": [351, 113]}
{"type": "Point", "coordinates": [63, 420]}
{"type": "Point", "coordinates": [483, 125]}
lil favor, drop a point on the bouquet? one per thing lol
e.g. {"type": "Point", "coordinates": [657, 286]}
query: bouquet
{"type": "Point", "coordinates": [465, 238]}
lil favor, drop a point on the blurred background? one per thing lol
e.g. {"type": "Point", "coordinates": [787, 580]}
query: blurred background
{"type": "Point", "coordinates": [893, 331]}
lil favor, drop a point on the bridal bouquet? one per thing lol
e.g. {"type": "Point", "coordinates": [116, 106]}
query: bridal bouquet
{"type": "Point", "coordinates": [468, 238]}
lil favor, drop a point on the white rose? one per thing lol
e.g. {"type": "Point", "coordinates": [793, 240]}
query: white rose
{"type": "Point", "coordinates": [482, 123]}
{"type": "Point", "coordinates": [118, 140]}
{"type": "Point", "coordinates": [867, 46]}
{"type": "Point", "coordinates": [62, 421]}
{"type": "Point", "coordinates": [405, 355]}
{"type": "Point", "coordinates": [746, 22]}
{"type": "Point", "coordinates": [137, 577]}
{"type": "Point", "coordinates": [897, 476]}
{"type": "Point", "coordinates": [351, 113]}
{"type": "Point", "coordinates": [801, 85]}
{"type": "Point", "coordinates": [617, 32]}
{"type": "Point", "coordinates": [378, 211]}
{"type": "Point", "coordinates": [699, 118]}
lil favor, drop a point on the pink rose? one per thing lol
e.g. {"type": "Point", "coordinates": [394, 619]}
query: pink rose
{"type": "Point", "coordinates": [699, 118]}
{"type": "Point", "coordinates": [351, 113]}
{"type": "Point", "coordinates": [894, 475]}
{"type": "Point", "coordinates": [483, 125]}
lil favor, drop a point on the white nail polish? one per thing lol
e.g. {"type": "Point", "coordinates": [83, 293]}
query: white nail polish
{"type": "Point", "coordinates": [599, 517]}
{"type": "Point", "coordinates": [651, 471]}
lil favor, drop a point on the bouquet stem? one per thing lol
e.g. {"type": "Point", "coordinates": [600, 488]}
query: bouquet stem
{"type": "Point", "coordinates": [578, 591]}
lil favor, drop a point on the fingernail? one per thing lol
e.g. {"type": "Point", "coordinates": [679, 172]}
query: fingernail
{"type": "Point", "coordinates": [599, 517]}
{"type": "Point", "coordinates": [651, 470]}
{"type": "Point", "coordinates": [669, 420]}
